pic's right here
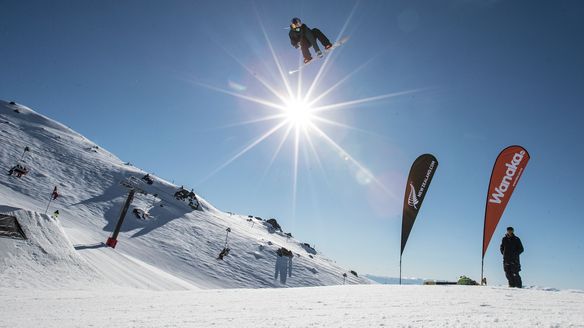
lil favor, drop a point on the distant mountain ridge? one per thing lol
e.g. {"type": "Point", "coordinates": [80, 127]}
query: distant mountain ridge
{"type": "Point", "coordinates": [394, 281]}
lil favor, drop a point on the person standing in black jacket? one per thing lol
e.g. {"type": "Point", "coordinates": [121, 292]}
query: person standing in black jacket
{"type": "Point", "coordinates": [304, 37]}
{"type": "Point", "coordinates": [511, 247]}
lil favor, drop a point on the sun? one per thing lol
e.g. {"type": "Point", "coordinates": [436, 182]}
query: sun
{"type": "Point", "coordinates": [298, 113]}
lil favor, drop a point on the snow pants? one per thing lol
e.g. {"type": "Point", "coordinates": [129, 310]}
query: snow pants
{"type": "Point", "coordinates": [310, 40]}
{"type": "Point", "coordinates": [514, 278]}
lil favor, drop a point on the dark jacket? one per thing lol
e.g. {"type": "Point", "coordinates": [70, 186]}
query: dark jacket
{"type": "Point", "coordinates": [511, 247]}
{"type": "Point", "coordinates": [296, 35]}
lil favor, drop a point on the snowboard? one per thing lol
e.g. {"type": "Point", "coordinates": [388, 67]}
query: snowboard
{"type": "Point", "coordinates": [324, 53]}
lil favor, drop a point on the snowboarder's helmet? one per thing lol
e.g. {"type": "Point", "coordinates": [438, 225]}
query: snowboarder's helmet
{"type": "Point", "coordinates": [295, 20]}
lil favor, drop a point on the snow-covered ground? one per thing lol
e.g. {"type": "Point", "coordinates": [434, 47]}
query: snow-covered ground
{"type": "Point", "coordinates": [164, 271]}
{"type": "Point", "coordinates": [176, 247]}
{"type": "Point", "coordinates": [337, 306]}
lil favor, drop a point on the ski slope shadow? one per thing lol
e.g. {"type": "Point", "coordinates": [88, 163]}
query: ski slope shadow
{"type": "Point", "coordinates": [89, 246]}
{"type": "Point", "coordinates": [113, 192]}
{"type": "Point", "coordinates": [159, 216]}
{"type": "Point", "coordinates": [162, 216]}
{"type": "Point", "coordinates": [110, 203]}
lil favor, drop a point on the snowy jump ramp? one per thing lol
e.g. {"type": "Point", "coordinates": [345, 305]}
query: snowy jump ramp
{"type": "Point", "coordinates": [45, 258]}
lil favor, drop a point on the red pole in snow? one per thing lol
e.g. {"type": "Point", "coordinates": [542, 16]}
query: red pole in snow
{"type": "Point", "coordinates": [113, 240]}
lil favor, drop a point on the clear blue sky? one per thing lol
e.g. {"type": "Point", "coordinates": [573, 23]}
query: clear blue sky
{"type": "Point", "coordinates": [494, 73]}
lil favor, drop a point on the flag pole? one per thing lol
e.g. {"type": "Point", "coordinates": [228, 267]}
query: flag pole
{"type": "Point", "coordinates": [483, 249]}
{"type": "Point", "coordinates": [49, 204]}
{"type": "Point", "coordinates": [50, 199]}
{"type": "Point", "coordinates": [400, 268]}
{"type": "Point", "coordinates": [482, 267]}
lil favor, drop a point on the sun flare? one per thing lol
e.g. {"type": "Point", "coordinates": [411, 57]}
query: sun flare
{"type": "Point", "coordinates": [299, 113]}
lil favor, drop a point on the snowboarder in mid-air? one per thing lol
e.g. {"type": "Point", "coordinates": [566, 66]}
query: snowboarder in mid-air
{"type": "Point", "coordinates": [304, 37]}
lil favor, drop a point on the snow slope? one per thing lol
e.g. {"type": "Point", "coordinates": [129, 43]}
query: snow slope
{"type": "Point", "coordinates": [175, 248]}
{"type": "Point", "coordinates": [335, 306]}
{"type": "Point", "coordinates": [44, 258]}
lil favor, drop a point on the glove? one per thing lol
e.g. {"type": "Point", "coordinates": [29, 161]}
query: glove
{"type": "Point", "coordinates": [297, 45]}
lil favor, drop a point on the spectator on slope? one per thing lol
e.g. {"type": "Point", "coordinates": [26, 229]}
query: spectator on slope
{"type": "Point", "coordinates": [511, 247]}
{"type": "Point", "coordinates": [283, 264]}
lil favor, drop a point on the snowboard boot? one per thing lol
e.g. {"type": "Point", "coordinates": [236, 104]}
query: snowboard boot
{"type": "Point", "coordinates": [319, 54]}
{"type": "Point", "coordinates": [307, 60]}
{"type": "Point", "coordinates": [328, 46]}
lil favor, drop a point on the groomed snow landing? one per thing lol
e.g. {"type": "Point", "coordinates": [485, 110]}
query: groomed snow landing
{"type": "Point", "coordinates": [330, 307]}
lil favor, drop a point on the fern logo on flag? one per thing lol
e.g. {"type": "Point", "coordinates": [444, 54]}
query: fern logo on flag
{"type": "Point", "coordinates": [412, 199]}
{"type": "Point", "coordinates": [417, 185]}
{"type": "Point", "coordinates": [419, 178]}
